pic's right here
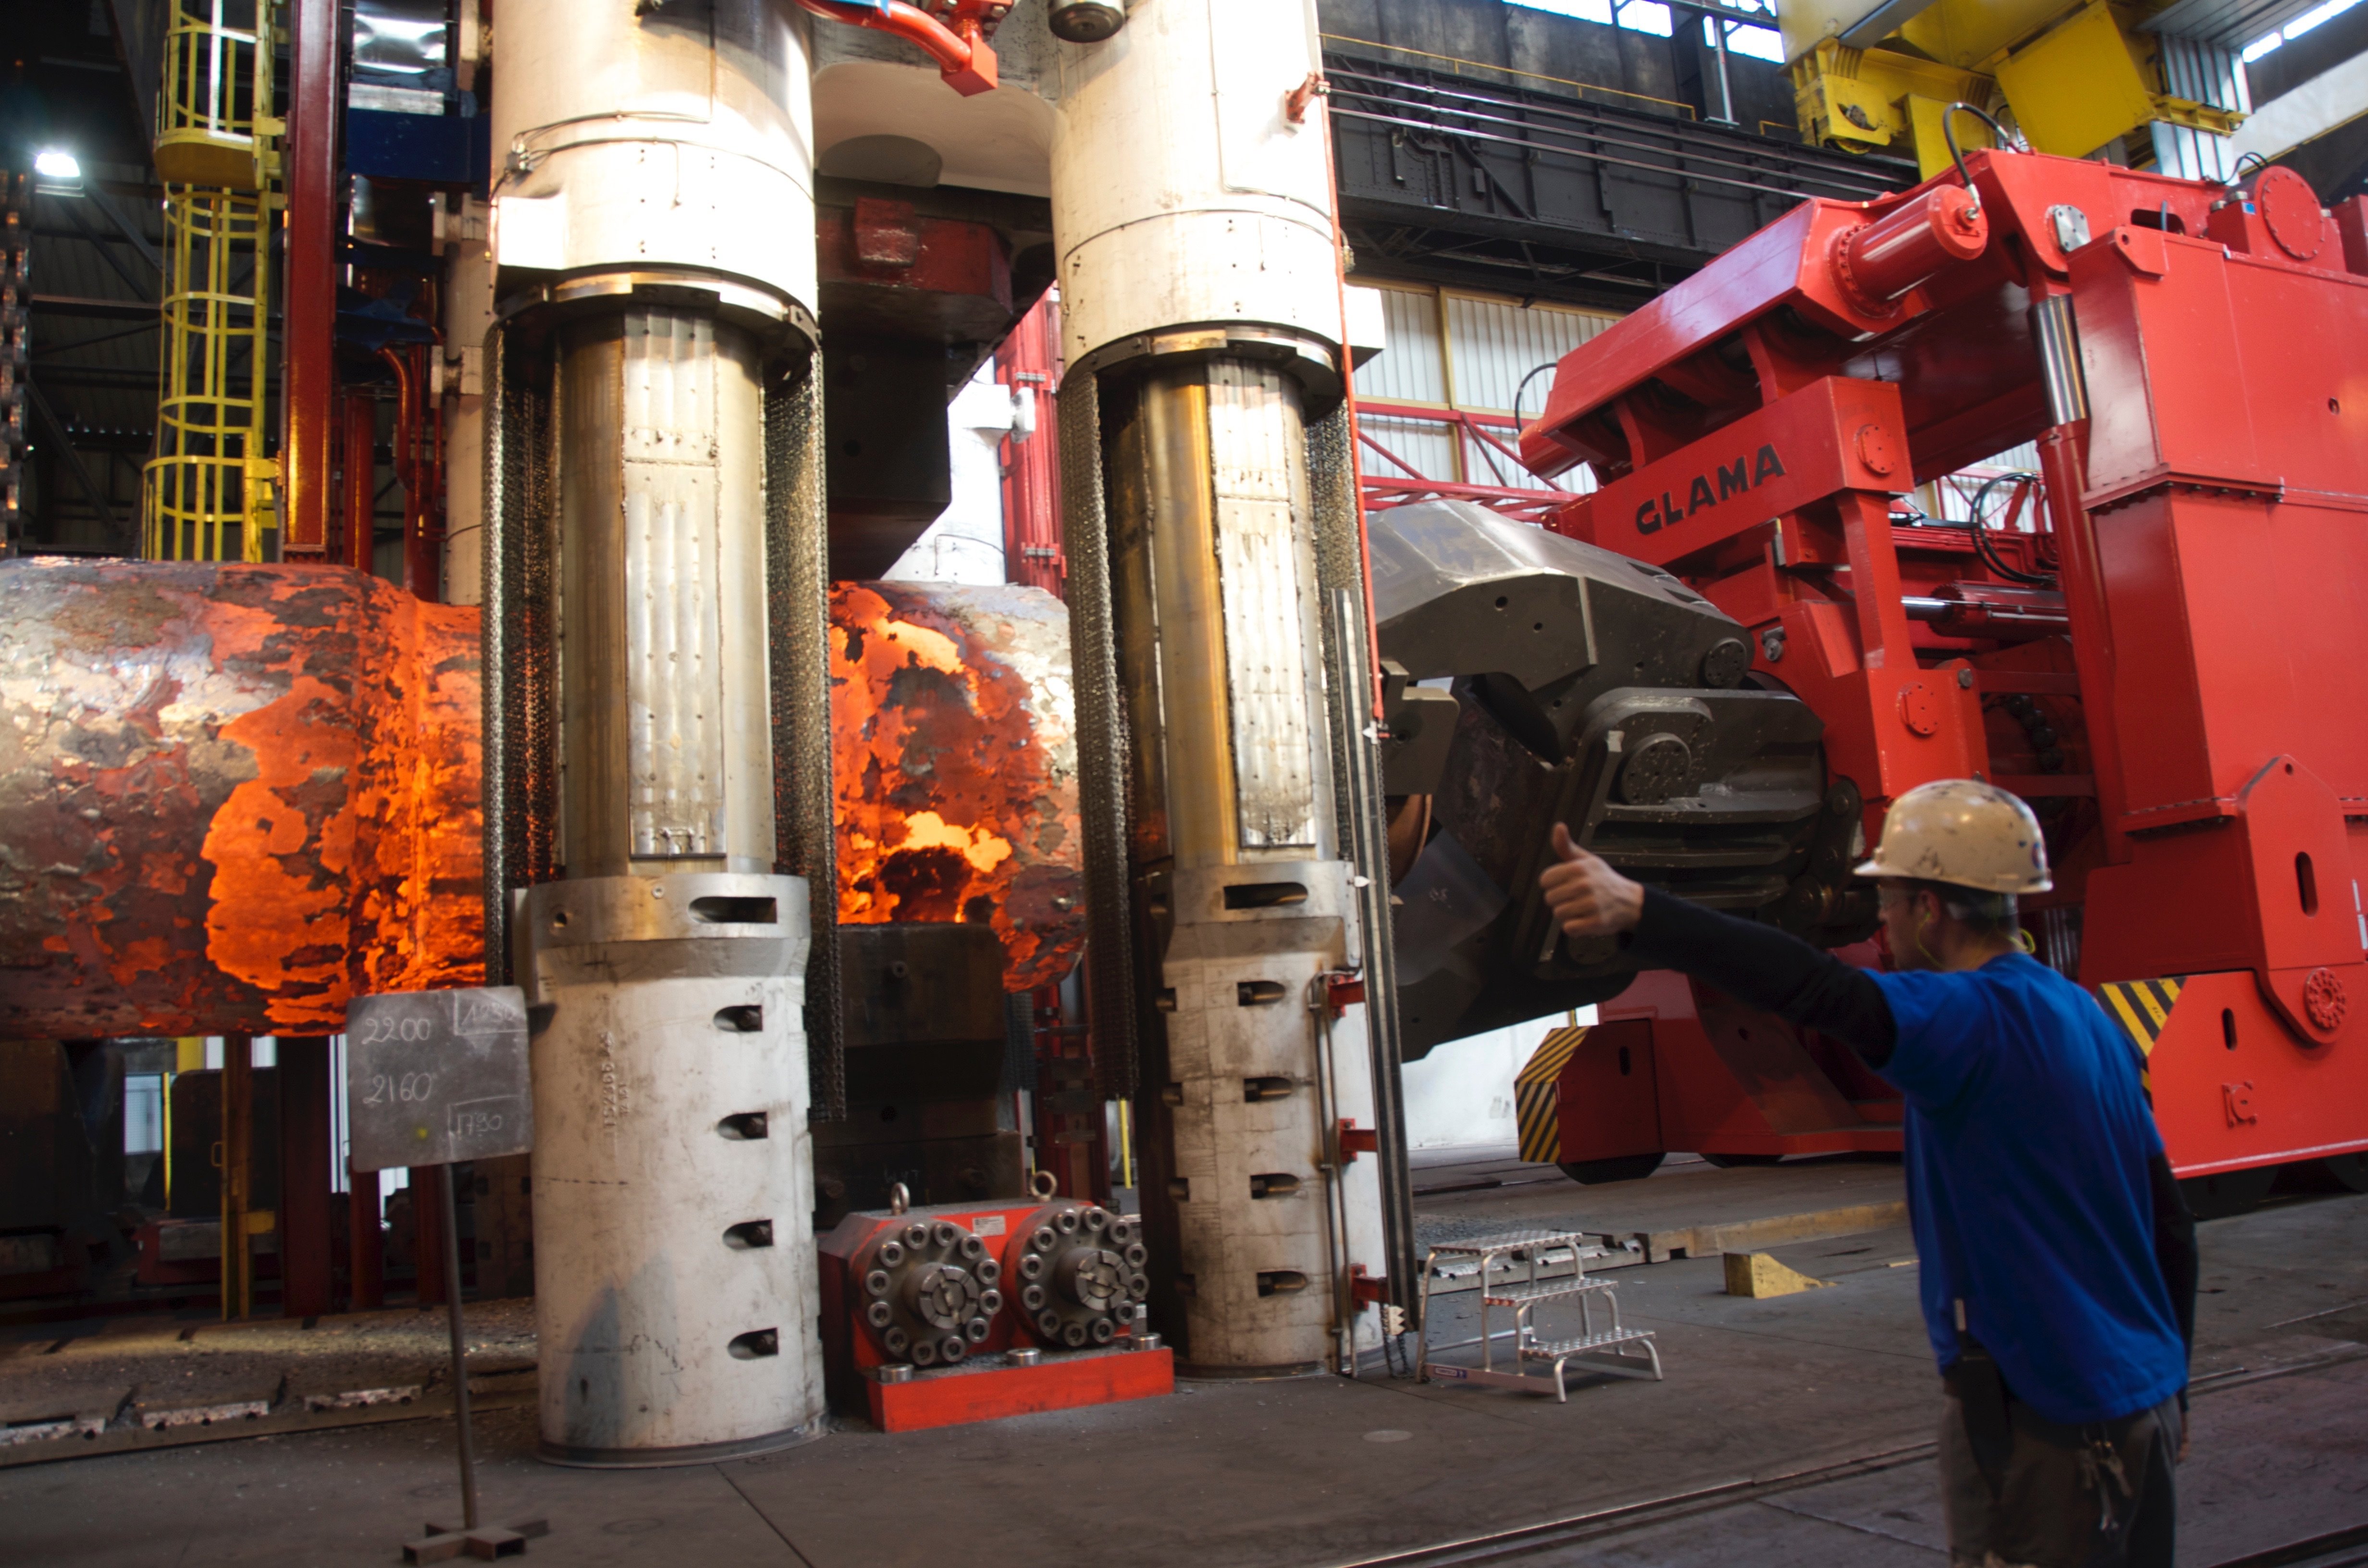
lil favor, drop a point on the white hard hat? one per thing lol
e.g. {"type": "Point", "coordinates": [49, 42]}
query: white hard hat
{"type": "Point", "coordinates": [1965, 833]}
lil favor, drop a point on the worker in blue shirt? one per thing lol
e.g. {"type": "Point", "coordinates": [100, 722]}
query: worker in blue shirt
{"type": "Point", "coordinates": [2057, 1257]}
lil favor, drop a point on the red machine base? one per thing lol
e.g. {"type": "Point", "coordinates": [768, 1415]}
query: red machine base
{"type": "Point", "coordinates": [950, 1396]}
{"type": "Point", "coordinates": [1676, 1067]}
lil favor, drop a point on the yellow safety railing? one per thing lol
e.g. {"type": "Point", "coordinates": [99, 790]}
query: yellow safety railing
{"type": "Point", "coordinates": [209, 492]}
{"type": "Point", "coordinates": [213, 116]}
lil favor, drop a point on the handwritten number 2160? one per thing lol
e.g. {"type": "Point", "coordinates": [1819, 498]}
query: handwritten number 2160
{"type": "Point", "coordinates": [409, 1089]}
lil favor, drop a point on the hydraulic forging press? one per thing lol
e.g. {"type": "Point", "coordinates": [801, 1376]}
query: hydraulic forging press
{"type": "Point", "coordinates": [2168, 666]}
{"type": "Point", "coordinates": [656, 738]}
{"type": "Point", "coordinates": [1230, 803]}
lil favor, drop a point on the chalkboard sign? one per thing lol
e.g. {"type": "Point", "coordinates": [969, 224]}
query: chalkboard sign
{"type": "Point", "coordinates": [433, 1077]}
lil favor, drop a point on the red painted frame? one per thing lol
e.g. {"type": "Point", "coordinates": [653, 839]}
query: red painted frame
{"type": "Point", "coordinates": [976, 1389]}
{"type": "Point", "coordinates": [1527, 503]}
{"type": "Point", "coordinates": [308, 366]}
{"type": "Point", "coordinates": [2204, 521]}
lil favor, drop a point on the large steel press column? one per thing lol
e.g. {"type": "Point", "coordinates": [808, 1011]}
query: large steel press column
{"type": "Point", "coordinates": [1200, 274]}
{"type": "Point", "coordinates": [650, 528]}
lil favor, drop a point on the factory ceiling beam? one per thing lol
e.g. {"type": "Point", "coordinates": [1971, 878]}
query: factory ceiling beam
{"type": "Point", "coordinates": [1447, 180]}
{"type": "Point", "coordinates": [124, 226]}
{"type": "Point", "coordinates": [98, 242]}
{"type": "Point", "coordinates": [105, 310]}
{"type": "Point", "coordinates": [90, 486]}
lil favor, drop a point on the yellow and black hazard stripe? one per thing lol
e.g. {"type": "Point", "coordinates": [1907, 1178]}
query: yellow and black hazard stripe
{"type": "Point", "coordinates": [2141, 1006]}
{"type": "Point", "coordinates": [1536, 1097]}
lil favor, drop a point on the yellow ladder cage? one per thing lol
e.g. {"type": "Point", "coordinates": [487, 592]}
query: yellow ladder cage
{"type": "Point", "coordinates": [210, 492]}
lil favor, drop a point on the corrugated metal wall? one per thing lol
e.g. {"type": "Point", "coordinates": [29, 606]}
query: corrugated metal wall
{"type": "Point", "coordinates": [1470, 352]}
{"type": "Point", "coordinates": [1410, 367]}
{"type": "Point", "coordinates": [1494, 345]}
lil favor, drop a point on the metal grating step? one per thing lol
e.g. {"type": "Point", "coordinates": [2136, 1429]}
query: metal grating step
{"type": "Point", "coordinates": [1529, 1294]}
{"type": "Point", "coordinates": [1555, 1349]}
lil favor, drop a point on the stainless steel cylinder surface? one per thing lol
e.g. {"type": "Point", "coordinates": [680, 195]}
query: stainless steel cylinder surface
{"type": "Point", "coordinates": [1234, 858]}
{"type": "Point", "coordinates": [650, 157]}
{"type": "Point", "coordinates": [675, 1291]}
{"type": "Point", "coordinates": [1219, 619]}
{"type": "Point", "coordinates": [663, 700]}
{"type": "Point", "coordinates": [676, 1287]}
{"type": "Point", "coordinates": [658, 140]}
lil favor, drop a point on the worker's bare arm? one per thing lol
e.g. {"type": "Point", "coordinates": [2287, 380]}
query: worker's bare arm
{"type": "Point", "coordinates": [1587, 897]}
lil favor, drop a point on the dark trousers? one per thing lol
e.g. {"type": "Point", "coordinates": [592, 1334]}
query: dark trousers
{"type": "Point", "coordinates": [2036, 1494]}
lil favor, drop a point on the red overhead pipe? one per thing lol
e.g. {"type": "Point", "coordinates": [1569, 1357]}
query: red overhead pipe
{"type": "Point", "coordinates": [417, 451]}
{"type": "Point", "coordinates": [962, 53]}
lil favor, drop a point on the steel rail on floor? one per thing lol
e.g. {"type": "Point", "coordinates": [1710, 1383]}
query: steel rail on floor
{"type": "Point", "coordinates": [1507, 1546]}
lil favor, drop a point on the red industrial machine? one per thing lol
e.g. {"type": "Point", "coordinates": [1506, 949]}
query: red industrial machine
{"type": "Point", "coordinates": [2169, 667]}
{"type": "Point", "coordinates": [933, 1317]}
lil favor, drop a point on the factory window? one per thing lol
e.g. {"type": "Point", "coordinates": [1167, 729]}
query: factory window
{"type": "Point", "coordinates": [1989, 483]}
{"type": "Point", "coordinates": [2295, 28]}
{"type": "Point", "coordinates": [262, 1051]}
{"type": "Point", "coordinates": [1585, 10]}
{"type": "Point", "coordinates": [1643, 17]}
{"type": "Point", "coordinates": [144, 1113]}
{"type": "Point", "coordinates": [1638, 16]}
{"type": "Point", "coordinates": [1438, 403]}
{"type": "Point", "coordinates": [1742, 38]}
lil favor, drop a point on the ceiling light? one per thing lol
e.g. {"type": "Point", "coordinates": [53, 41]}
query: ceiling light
{"type": "Point", "coordinates": [57, 172]}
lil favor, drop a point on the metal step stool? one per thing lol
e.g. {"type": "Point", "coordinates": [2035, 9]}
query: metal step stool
{"type": "Point", "coordinates": [1522, 1270]}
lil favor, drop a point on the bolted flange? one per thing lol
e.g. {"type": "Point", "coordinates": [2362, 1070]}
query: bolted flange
{"type": "Point", "coordinates": [928, 1291]}
{"type": "Point", "coordinates": [1083, 1269]}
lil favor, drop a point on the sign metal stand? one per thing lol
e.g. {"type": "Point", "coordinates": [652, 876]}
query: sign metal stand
{"type": "Point", "coordinates": [440, 1078]}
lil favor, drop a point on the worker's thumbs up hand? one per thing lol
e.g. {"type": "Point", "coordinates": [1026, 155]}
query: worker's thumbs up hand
{"type": "Point", "coordinates": [1585, 897]}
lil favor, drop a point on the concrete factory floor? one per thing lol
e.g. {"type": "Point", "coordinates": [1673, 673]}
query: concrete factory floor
{"type": "Point", "coordinates": [1794, 1430]}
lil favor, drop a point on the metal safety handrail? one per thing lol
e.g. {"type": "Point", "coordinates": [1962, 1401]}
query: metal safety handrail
{"type": "Point", "coordinates": [1686, 109]}
{"type": "Point", "coordinates": [1849, 184]}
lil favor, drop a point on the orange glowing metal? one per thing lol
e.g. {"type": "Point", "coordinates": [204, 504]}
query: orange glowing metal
{"type": "Point", "coordinates": [238, 796]}
{"type": "Point", "coordinates": [232, 797]}
{"type": "Point", "coordinates": [956, 766]}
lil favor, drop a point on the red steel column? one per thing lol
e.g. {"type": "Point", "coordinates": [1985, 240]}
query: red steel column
{"type": "Point", "coordinates": [237, 1175]}
{"type": "Point", "coordinates": [1882, 632]}
{"type": "Point", "coordinates": [2064, 470]}
{"type": "Point", "coordinates": [1029, 358]}
{"type": "Point", "coordinates": [305, 1285]}
{"type": "Point", "coordinates": [367, 1241]}
{"type": "Point", "coordinates": [2063, 467]}
{"type": "Point", "coordinates": [428, 1231]}
{"type": "Point", "coordinates": [309, 370]}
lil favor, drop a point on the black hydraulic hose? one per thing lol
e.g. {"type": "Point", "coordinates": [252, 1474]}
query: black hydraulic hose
{"type": "Point", "coordinates": [1523, 391]}
{"type": "Point", "coordinates": [1989, 551]}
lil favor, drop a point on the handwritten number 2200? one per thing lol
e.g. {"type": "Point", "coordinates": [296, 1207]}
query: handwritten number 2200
{"type": "Point", "coordinates": [381, 1032]}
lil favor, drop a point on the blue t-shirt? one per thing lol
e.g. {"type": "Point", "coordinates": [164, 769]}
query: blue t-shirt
{"type": "Point", "coordinates": [2028, 1143]}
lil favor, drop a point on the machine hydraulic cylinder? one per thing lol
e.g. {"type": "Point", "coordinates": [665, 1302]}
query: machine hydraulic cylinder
{"type": "Point", "coordinates": [1202, 305]}
{"type": "Point", "coordinates": [653, 244]}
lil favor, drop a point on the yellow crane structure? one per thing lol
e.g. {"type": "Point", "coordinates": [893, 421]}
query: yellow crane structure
{"type": "Point", "coordinates": [2152, 83]}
